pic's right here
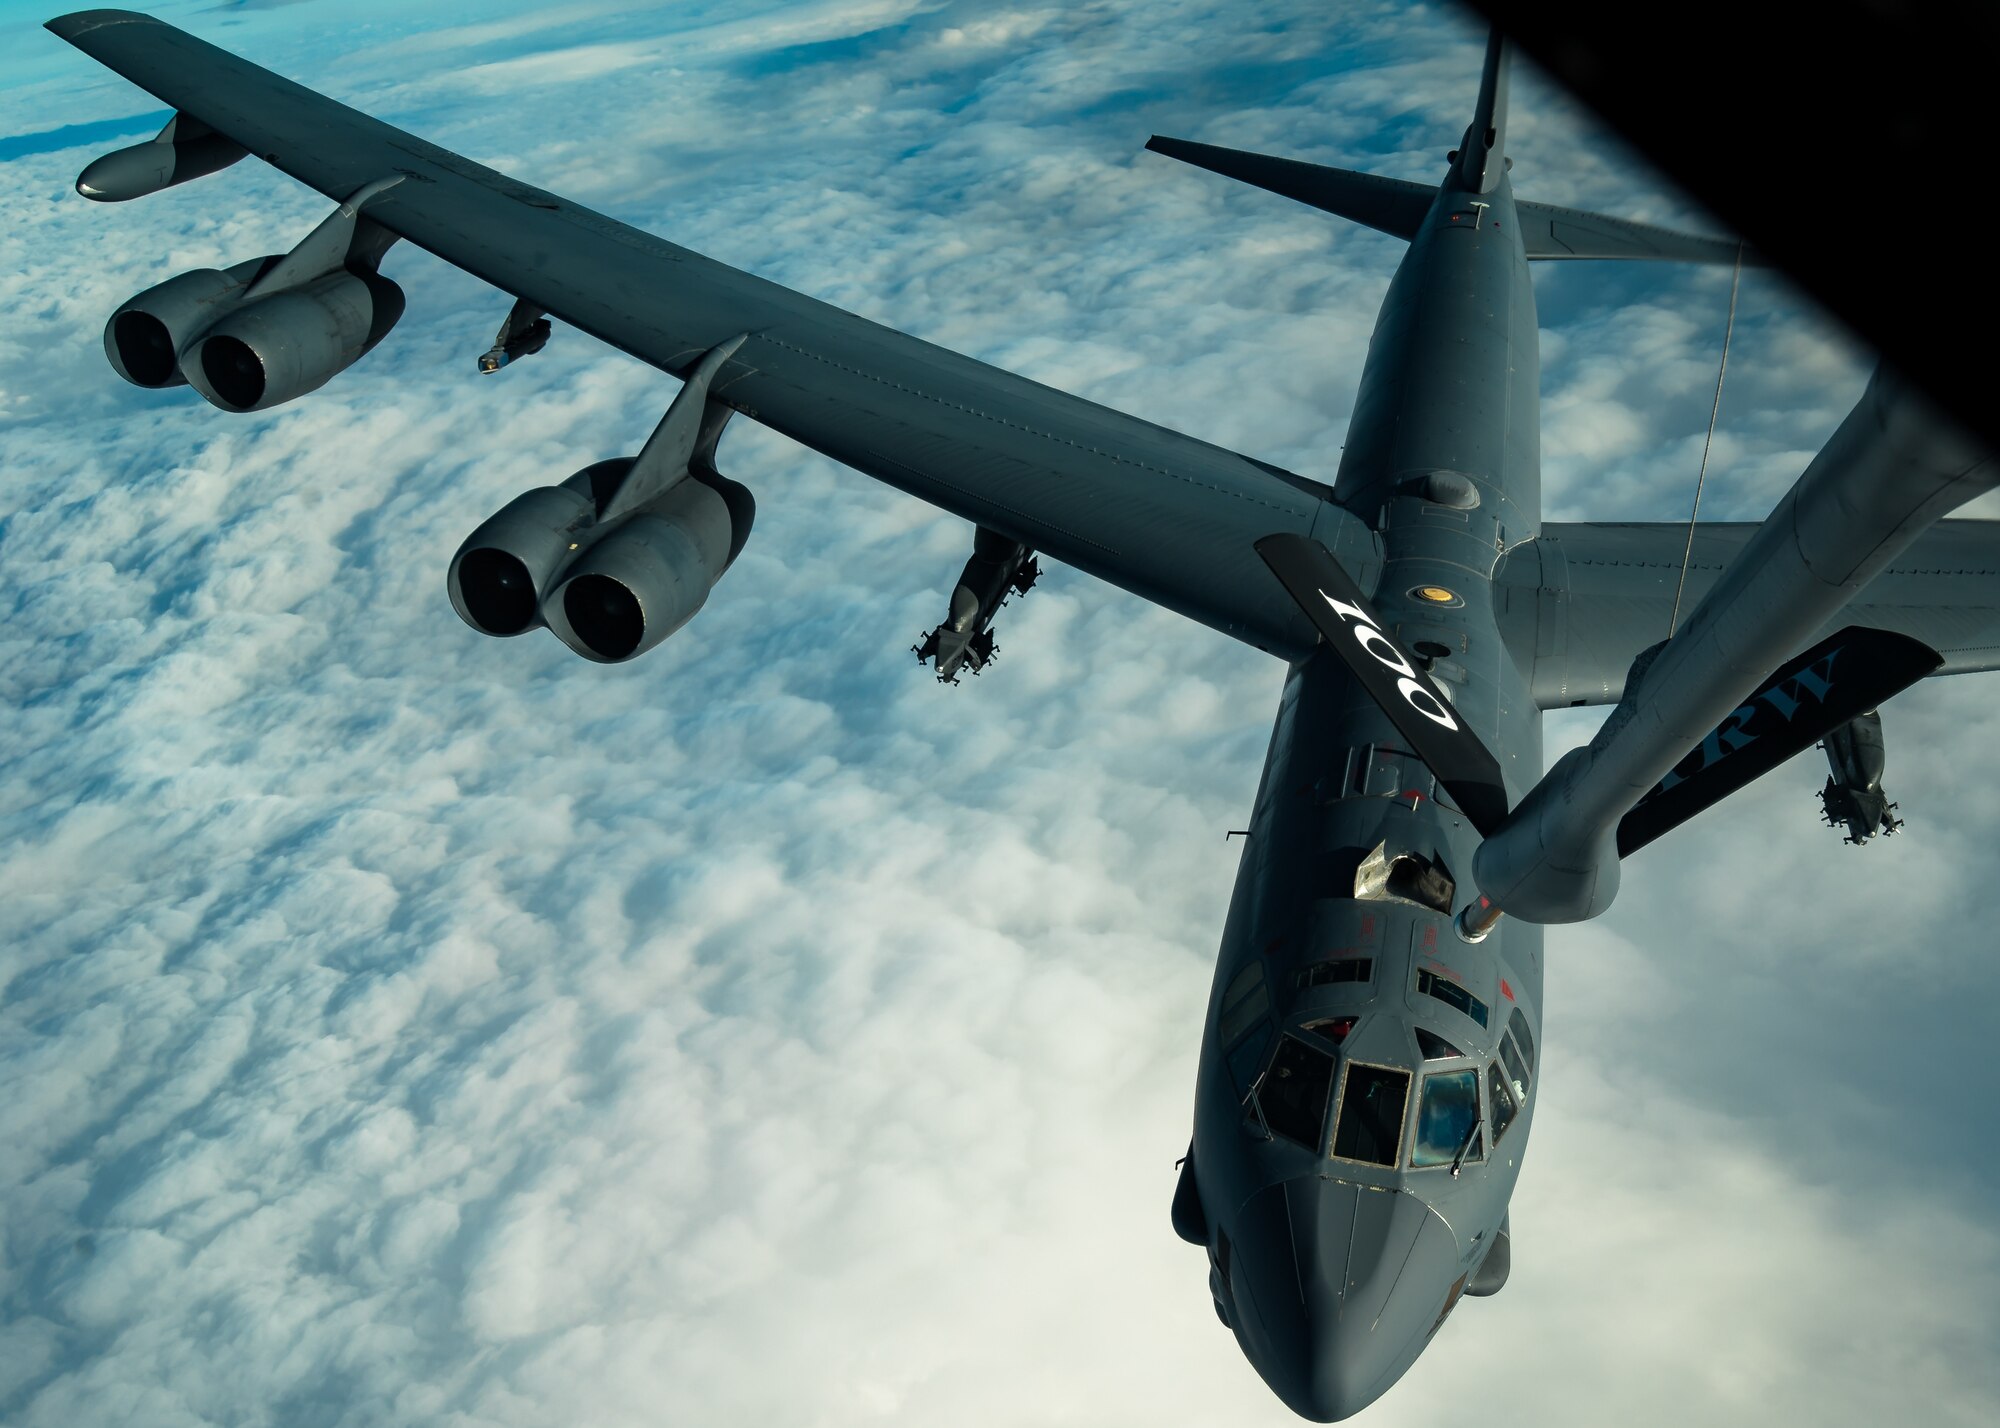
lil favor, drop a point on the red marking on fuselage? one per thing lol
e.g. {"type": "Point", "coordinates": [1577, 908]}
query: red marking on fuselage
{"type": "Point", "coordinates": [1505, 990]}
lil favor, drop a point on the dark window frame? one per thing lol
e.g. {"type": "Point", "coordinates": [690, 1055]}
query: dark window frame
{"type": "Point", "coordinates": [1248, 985]}
{"type": "Point", "coordinates": [1355, 971]}
{"type": "Point", "coordinates": [1458, 997]}
{"type": "Point", "coordinates": [1474, 1156]}
{"type": "Point", "coordinates": [1286, 1122]}
{"type": "Point", "coordinates": [1347, 1071]}
{"type": "Point", "coordinates": [1518, 1025]}
{"type": "Point", "coordinates": [1444, 1050]}
{"type": "Point", "coordinates": [1496, 1087]}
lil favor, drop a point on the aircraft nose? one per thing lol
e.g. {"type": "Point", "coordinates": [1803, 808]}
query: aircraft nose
{"type": "Point", "coordinates": [1342, 1284]}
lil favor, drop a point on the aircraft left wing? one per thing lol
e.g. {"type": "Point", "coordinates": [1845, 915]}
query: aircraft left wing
{"type": "Point", "coordinates": [1158, 513]}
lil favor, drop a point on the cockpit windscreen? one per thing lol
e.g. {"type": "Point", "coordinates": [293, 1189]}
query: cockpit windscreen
{"type": "Point", "coordinates": [1370, 1128]}
{"type": "Point", "coordinates": [1446, 1117]}
{"type": "Point", "coordinates": [1294, 1092]}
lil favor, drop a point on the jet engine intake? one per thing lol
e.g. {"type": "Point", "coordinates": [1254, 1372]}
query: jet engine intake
{"type": "Point", "coordinates": [503, 569]}
{"type": "Point", "coordinates": [280, 347]}
{"type": "Point", "coordinates": [652, 571]}
{"type": "Point", "coordinates": [145, 337]}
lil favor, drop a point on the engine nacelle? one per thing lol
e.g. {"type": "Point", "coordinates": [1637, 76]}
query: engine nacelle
{"type": "Point", "coordinates": [292, 342]}
{"type": "Point", "coordinates": [499, 576]}
{"type": "Point", "coordinates": [146, 335]}
{"type": "Point", "coordinates": [652, 571]}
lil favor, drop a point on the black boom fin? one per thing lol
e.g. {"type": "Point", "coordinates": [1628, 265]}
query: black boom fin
{"type": "Point", "coordinates": [1809, 696]}
{"type": "Point", "coordinates": [1465, 768]}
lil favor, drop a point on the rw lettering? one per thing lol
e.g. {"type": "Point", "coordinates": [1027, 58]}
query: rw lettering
{"type": "Point", "coordinates": [1767, 710]}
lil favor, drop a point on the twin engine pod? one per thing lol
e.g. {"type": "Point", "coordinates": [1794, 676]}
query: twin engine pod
{"type": "Point", "coordinates": [610, 589]}
{"type": "Point", "coordinates": [244, 354]}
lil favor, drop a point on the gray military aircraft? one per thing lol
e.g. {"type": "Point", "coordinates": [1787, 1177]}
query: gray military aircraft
{"type": "Point", "coordinates": [1367, 1080]}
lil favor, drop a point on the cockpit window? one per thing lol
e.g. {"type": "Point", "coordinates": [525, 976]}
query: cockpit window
{"type": "Point", "coordinates": [1452, 995]}
{"type": "Point", "coordinates": [1518, 1024]}
{"type": "Point", "coordinates": [1435, 1047]}
{"type": "Point", "coordinates": [1447, 1119]}
{"type": "Point", "coordinates": [1244, 1002]}
{"type": "Point", "coordinates": [1242, 1028]}
{"type": "Point", "coordinates": [1505, 1107]}
{"type": "Point", "coordinates": [1341, 969]}
{"type": "Point", "coordinates": [1334, 1028]}
{"type": "Point", "coordinates": [1246, 1058]}
{"type": "Point", "coordinates": [1370, 1128]}
{"type": "Point", "coordinates": [1294, 1092]}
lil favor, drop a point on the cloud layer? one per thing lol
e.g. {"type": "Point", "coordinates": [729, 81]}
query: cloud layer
{"type": "Point", "coordinates": [399, 1026]}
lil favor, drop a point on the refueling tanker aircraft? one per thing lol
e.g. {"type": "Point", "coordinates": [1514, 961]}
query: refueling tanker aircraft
{"type": "Point", "coordinates": [1366, 1086]}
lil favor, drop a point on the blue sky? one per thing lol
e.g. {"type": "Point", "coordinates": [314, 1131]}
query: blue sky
{"type": "Point", "coordinates": [399, 1026]}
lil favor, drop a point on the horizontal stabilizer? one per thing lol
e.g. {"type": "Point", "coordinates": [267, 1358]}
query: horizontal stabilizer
{"type": "Point", "coordinates": [1465, 768]}
{"type": "Point", "coordinates": [1390, 205]}
{"type": "Point", "coordinates": [1397, 207]}
{"type": "Point", "coordinates": [1846, 674]}
{"type": "Point", "coordinates": [1551, 232]}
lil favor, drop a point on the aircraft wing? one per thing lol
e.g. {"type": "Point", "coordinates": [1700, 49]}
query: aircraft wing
{"type": "Point", "coordinates": [1584, 599]}
{"type": "Point", "coordinates": [1161, 514]}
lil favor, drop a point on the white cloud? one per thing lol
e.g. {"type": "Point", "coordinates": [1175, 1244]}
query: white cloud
{"type": "Point", "coordinates": [400, 1026]}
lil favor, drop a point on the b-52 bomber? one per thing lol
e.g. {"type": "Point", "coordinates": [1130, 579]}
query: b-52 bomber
{"type": "Point", "coordinates": [1367, 1080]}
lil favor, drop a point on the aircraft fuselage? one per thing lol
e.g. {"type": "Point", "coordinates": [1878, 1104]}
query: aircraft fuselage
{"type": "Point", "coordinates": [1339, 1233]}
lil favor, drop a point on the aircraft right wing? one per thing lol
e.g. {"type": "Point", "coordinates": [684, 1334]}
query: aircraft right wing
{"type": "Point", "coordinates": [1584, 599]}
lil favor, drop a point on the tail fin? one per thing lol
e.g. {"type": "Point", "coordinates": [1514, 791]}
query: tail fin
{"type": "Point", "coordinates": [1397, 207]}
{"type": "Point", "coordinates": [1482, 157]}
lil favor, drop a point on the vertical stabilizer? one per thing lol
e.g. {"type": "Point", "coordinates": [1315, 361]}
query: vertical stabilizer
{"type": "Point", "coordinates": [1482, 157]}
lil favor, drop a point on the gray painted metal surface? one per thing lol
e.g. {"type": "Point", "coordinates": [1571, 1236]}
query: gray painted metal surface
{"type": "Point", "coordinates": [1335, 1269]}
{"type": "Point", "coordinates": [1578, 603]}
{"type": "Point", "coordinates": [1367, 1081]}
